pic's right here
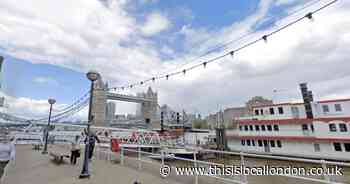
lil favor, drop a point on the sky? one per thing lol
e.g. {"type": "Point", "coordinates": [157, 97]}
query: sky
{"type": "Point", "coordinates": [49, 46]}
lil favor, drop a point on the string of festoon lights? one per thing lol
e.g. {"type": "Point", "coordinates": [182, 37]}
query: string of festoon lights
{"type": "Point", "coordinates": [205, 63]}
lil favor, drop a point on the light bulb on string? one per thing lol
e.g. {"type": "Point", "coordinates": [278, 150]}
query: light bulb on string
{"type": "Point", "coordinates": [309, 16]}
{"type": "Point", "coordinates": [167, 77]}
{"type": "Point", "coordinates": [184, 71]}
{"type": "Point", "coordinates": [264, 38]}
{"type": "Point", "coordinates": [232, 53]}
{"type": "Point", "coordinates": [141, 82]}
{"type": "Point", "coordinates": [153, 79]}
{"type": "Point", "coordinates": [204, 64]}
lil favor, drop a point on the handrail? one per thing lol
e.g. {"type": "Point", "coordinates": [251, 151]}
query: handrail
{"type": "Point", "coordinates": [243, 178]}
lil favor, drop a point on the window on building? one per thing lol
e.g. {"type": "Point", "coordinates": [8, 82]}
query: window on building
{"type": "Point", "coordinates": [347, 147]}
{"type": "Point", "coordinates": [279, 143]}
{"type": "Point", "coordinates": [257, 112]}
{"type": "Point", "coordinates": [257, 127]}
{"type": "Point", "coordinates": [272, 143]}
{"type": "Point", "coordinates": [272, 111]}
{"type": "Point", "coordinates": [337, 107]}
{"type": "Point", "coordinates": [332, 127]}
{"type": "Point", "coordinates": [276, 128]}
{"type": "Point", "coordinates": [253, 142]}
{"type": "Point", "coordinates": [263, 128]}
{"type": "Point", "coordinates": [325, 108]}
{"type": "Point", "coordinates": [280, 110]}
{"type": "Point", "coordinates": [262, 111]}
{"type": "Point", "coordinates": [269, 127]}
{"type": "Point", "coordinates": [304, 127]}
{"type": "Point", "coordinates": [248, 142]}
{"type": "Point", "coordinates": [260, 143]}
{"type": "Point", "coordinates": [337, 146]}
{"type": "Point", "coordinates": [317, 147]}
{"type": "Point", "coordinates": [240, 127]}
{"type": "Point", "coordinates": [251, 127]}
{"type": "Point", "coordinates": [246, 127]}
{"type": "Point", "coordinates": [343, 127]}
{"type": "Point", "coordinates": [243, 142]}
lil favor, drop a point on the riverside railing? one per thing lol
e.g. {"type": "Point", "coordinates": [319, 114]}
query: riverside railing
{"type": "Point", "coordinates": [242, 179]}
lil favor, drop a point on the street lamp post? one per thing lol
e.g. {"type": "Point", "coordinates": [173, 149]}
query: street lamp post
{"type": "Point", "coordinates": [92, 76]}
{"type": "Point", "coordinates": [51, 102]}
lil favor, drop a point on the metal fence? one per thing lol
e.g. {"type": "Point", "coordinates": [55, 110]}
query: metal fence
{"type": "Point", "coordinates": [242, 179]}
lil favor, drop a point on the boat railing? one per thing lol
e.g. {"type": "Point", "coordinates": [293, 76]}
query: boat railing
{"type": "Point", "coordinates": [243, 157]}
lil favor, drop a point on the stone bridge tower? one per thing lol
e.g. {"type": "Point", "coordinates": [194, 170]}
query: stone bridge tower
{"type": "Point", "coordinates": [99, 101]}
{"type": "Point", "coordinates": [149, 109]}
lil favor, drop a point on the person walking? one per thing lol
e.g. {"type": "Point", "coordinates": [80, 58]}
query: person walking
{"type": "Point", "coordinates": [75, 150]}
{"type": "Point", "coordinates": [7, 152]}
{"type": "Point", "coordinates": [92, 138]}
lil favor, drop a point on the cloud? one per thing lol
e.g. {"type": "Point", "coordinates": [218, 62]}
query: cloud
{"type": "Point", "coordinates": [109, 39]}
{"type": "Point", "coordinates": [35, 109]}
{"type": "Point", "coordinates": [45, 80]}
{"type": "Point", "coordinates": [155, 23]}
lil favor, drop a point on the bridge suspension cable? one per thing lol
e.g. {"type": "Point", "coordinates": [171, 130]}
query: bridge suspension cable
{"type": "Point", "coordinates": [204, 64]}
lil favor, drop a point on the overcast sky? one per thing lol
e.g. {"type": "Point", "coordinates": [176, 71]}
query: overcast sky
{"type": "Point", "coordinates": [49, 46]}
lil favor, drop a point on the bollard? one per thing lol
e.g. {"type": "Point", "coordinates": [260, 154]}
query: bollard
{"type": "Point", "coordinates": [243, 177]}
{"type": "Point", "coordinates": [324, 166]}
{"type": "Point", "coordinates": [122, 156]}
{"type": "Point", "coordinates": [139, 157]}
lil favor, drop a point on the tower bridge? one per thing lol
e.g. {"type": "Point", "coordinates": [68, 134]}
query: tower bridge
{"type": "Point", "coordinates": [148, 101]}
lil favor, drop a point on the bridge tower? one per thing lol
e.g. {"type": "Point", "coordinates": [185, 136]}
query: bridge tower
{"type": "Point", "coordinates": [99, 103]}
{"type": "Point", "coordinates": [149, 108]}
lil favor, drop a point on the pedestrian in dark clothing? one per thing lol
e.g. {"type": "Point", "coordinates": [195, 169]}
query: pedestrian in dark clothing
{"type": "Point", "coordinates": [75, 150]}
{"type": "Point", "coordinates": [92, 138]}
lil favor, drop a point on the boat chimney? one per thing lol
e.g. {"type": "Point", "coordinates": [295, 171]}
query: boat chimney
{"type": "Point", "coordinates": [307, 98]}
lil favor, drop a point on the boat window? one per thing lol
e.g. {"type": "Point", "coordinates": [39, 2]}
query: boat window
{"type": "Point", "coordinates": [257, 127]}
{"type": "Point", "coordinates": [332, 127]}
{"type": "Point", "coordinates": [337, 146]}
{"type": "Point", "coordinates": [240, 127]}
{"type": "Point", "coordinates": [269, 127]}
{"type": "Point", "coordinates": [347, 147]}
{"type": "Point", "coordinates": [263, 127]}
{"type": "Point", "coordinates": [260, 143]}
{"type": "Point", "coordinates": [243, 142]}
{"type": "Point", "coordinates": [272, 111]}
{"type": "Point", "coordinates": [280, 110]}
{"type": "Point", "coordinates": [317, 147]}
{"type": "Point", "coordinates": [304, 127]}
{"type": "Point", "coordinates": [325, 108]}
{"type": "Point", "coordinates": [248, 142]}
{"type": "Point", "coordinates": [275, 128]}
{"type": "Point", "coordinates": [246, 127]}
{"type": "Point", "coordinates": [279, 144]}
{"type": "Point", "coordinates": [257, 112]}
{"type": "Point", "coordinates": [337, 107]}
{"type": "Point", "coordinates": [251, 127]}
{"type": "Point", "coordinates": [272, 143]}
{"type": "Point", "coordinates": [342, 127]}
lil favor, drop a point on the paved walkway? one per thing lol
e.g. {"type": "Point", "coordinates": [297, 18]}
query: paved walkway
{"type": "Point", "coordinates": [31, 167]}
